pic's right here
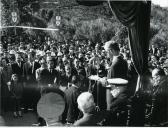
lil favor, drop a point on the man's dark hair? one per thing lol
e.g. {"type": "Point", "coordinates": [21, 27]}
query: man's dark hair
{"type": "Point", "coordinates": [114, 46]}
{"type": "Point", "coordinates": [161, 72]}
{"type": "Point", "coordinates": [75, 79]}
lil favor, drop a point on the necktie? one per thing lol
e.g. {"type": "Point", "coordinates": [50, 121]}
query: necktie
{"type": "Point", "coordinates": [19, 64]}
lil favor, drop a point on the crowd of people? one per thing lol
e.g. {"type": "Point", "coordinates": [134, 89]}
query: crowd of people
{"type": "Point", "coordinates": [26, 69]}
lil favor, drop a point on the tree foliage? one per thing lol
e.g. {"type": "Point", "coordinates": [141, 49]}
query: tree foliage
{"type": "Point", "coordinates": [81, 22]}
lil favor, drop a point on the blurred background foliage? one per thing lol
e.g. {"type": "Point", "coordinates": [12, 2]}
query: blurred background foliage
{"type": "Point", "coordinates": [78, 22]}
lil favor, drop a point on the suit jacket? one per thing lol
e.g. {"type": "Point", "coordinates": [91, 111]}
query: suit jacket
{"type": "Point", "coordinates": [118, 69]}
{"type": "Point", "coordinates": [16, 69]}
{"type": "Point", "coordinates": [72, 111]}
{"type": "Point", "coordinates": [51, 75]}
{"type": "Point", "coordinates": [29, 72]}
{"type": "Point", "coordinates": [91, 119]}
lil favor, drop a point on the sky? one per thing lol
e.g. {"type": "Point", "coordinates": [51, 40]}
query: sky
{"type": "Point", "coordinates": [162, 3]}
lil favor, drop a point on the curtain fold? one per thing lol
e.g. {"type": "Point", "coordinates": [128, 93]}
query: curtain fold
{"type": "Point", "coordinates": [126, 11]}
{"type": "Point", "coordinates": [135, 15]}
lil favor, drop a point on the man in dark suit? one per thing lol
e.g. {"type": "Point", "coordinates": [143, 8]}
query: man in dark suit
{"type": "Point", "coordinates": [52, 74]}
{"type": "Point", "coordinates": [71, 95]}
{"type": "Point", "coordinates": [17, 67]}
{"type": "Point", "coordinates": [30, 83]}
{"type": "Point", "coordinates": [118, 69]}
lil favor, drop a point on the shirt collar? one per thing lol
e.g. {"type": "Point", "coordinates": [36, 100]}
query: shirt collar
{"type": "Point", "coordinates": [114, 58]}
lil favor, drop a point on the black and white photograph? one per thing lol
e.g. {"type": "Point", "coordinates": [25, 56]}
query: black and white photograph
{"type": "Point", "coordinates": [101, 63]}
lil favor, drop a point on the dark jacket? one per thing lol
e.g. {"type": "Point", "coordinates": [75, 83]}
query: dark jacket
{"type": "Point", "coordinates": [91, 119]}
{"type": "Point", "coordinates": [118, 69]}
{"type": "Point", "coordinates": [16, 69]}
{"type": "Point", "coordinates": [29, 72]}
{"type": "Point", "coordinates": [51, 75]}
{"type": "Point", "coordinates": [72, 111]}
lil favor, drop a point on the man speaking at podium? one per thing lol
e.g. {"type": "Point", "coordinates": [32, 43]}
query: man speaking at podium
{"type": "Point", "coordinates": [115, 94]}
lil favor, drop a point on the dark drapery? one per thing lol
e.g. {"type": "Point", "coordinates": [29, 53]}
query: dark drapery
{"type": "Point", "coordinates": [135, 15]}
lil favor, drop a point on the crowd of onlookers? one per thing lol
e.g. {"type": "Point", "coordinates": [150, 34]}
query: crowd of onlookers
{"type": "Point", "coordinates": [158, 57]}
{"type": "Point", "coordinates": [25, 68]}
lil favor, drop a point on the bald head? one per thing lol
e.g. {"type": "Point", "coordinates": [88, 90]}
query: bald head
{"type": "Point", "coordinates": [86, 102]}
